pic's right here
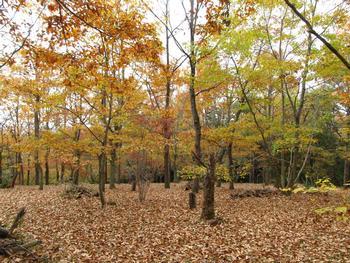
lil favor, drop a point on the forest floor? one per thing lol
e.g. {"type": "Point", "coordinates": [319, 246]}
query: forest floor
{"type": "Point", "coordinates": [163, 229]}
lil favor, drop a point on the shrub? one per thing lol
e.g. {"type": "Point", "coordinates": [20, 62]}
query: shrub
{"type": "Point", "coordinates": [191, 172]}
{"type": "Point", "coordinates": [6, 181]}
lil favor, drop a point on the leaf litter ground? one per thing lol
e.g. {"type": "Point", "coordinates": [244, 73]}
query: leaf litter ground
{"type": "Point", "coordinates": [163, 229]}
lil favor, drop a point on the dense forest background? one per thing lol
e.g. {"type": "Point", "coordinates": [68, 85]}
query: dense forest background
{"type": "Point", "coordinates": [120, 91]}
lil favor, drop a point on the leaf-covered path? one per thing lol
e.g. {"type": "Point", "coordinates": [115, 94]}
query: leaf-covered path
{"type": "Point", "coordinates": [163, 229]}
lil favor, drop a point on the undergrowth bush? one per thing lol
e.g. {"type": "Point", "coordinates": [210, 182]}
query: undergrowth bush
{"type": "Point", "coordinates": [323, 185]}
{"type": "Point", "coordinates": [6, 181]}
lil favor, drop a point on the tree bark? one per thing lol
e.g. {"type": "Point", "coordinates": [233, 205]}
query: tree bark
{"type": "Point", "coordinates": [194, 110]}
{"type": "Point", "coordinates": [57, 172]}
{"type": "Point", "coordinates": [41, 176]}
{"type": "Point", "coordinates": [283, 162]}
{"type": "Point", "coordinates": [101, 175]}
{"type": "Point", "coordinates": [28, 170]}
{"type": "Point", "coordinates": [76, 173]}
{"type": "Point", "coordinates": [119, 169]}
{"type": "Point", "coordinates": [192, 200]}
{"type": "Point", "coordinates": [166, 166]}
{"type": "Point", "coordinates": [47, 169]}
{"type": "Point", "coordinates": [37, 137]}
{"type": "Point", "coordinates": [208, 210]}
{"type": "Point", "coordinates": [63, 168]}
{"type": "Point", "coordinates": [21, 169]}
{"type": "Point", "coordinates": [167, 105]}
{"type": "Point", "coordinates": [1, 165]}
{"type": "Point", "coordinates": [346, 177]}
{"type": "Point", "coordinates": [230, 166]}
{"type": "Point", "coordinates": [346, 172]}
{"type": "Point", "coordinates": [113, 169]}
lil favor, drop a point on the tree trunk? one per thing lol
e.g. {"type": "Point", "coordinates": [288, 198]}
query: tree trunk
{"type": "Point", "coordinates": [192, 200]}
{"type": "Point", "coordinates": [167, 104]}
{"type": "Point", "coordinates": [14, 171]}
{"type": "Point", "coordinates": [105, 174]}
{"type": "Point", "coordinates": [28, 170]}
{"type": "Point", "coordinates": [76, 173]}
{"type": "Point", "coordinates": [176, 178]}
{"type": "Point", "coordinates": [21, 169]}
{"type": "Point", "coordinates": [41, 176]}
{"type": "Point", "coordinates": [208, 210]}
{"type": "Point", "coordinates": [0, 166]}
{"type": "Point", "coordinates": [119, 169]}
{"type": "Point", "coordinates": [57, 172]}
{"type": "Point", "coordinates": [133, 185]}
{"type": "Point", "coordinates": [47, 169]}
{"type": "Point", "coordinates": [37, 137]}
{"type": "Point", "coordinates": [252, 176]}
{"type": "Point", "coordinates": [293, 169]}
{"type": "Point", "coordinates": [194, 110]}
{"type": "Point", "coordinates": [113, 169]}
{"type": "Point", "coordinates": [101, 175]}
{"type": "Point", "coordinates": [283, 162]}
{"type": "Point", "coordinates": [166, 166]}
{"type": "Point", "coordinates": [37, 168]}
{"type": "Point", "coordinates": [230, 166]}
{"type": "Point", "coordinates": [346, 172]}
{"type": "Point", "coordinates": [346, 177]}
{"type": "Point", "coordinates": [63, 168]}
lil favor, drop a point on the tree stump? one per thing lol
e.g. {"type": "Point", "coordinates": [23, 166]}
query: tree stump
{"type": "Point", "coordinates": [192, 200]}
{"type": "Point", "coordinates": [133, 186]}
{"type": "Point", "coordinates": [4, 233]}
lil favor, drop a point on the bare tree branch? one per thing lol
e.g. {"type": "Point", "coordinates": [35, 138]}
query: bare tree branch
{"type": "Point", "coordinates": [322, 39]}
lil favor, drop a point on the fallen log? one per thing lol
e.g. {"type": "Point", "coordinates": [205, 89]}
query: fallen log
{"type": "Point", "coordinates": [265, 192]}
{"type": "Point", "coordinates": [8, 247]}
{"type": "Point", "coordinates": [78, 191]}
{"type": "Point", "coordinates": [9, 243]}
{"type": "Point", "coordinates": [18, 219]}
